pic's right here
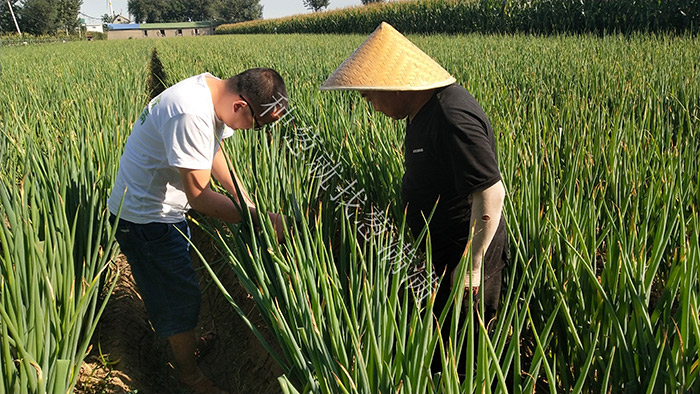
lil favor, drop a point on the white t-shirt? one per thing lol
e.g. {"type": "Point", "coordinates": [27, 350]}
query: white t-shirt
{"type": "Point", "coordinates": [178, 129]}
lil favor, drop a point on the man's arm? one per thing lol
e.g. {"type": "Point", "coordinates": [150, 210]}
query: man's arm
{"type": "Point", "coordinates": [203, 199]}
{"type": "Point", "coordinates": [486, 215]}
{"type": "Point", "coordinates": [220, 171]}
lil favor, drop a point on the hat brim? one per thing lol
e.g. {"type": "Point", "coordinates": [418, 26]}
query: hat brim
{"type": "Point", "coordinates": [388, 61]}
{"type": "Point", "coordinates": [436, 85]}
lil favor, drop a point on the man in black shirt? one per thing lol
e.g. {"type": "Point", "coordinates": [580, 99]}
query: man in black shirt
{"type": "Point", "coordinates": [450, 158]}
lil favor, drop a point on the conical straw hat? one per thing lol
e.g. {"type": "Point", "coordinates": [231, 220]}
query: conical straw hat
{"type": "Point", "coordinates": [388, 61]}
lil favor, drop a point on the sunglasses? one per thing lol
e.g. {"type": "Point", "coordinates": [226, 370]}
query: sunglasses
{"type": "Point", "coordinates": [257, 125]}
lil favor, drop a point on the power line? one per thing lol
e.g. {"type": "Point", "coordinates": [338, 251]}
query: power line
{"type": "Point", "coordinates": [90, 17]}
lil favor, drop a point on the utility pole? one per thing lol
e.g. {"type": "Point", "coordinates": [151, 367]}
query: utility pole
{"type": "Point", "coordinates": [13, 18]}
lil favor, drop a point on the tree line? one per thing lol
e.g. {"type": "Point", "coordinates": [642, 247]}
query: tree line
{"type": "Point", "coordinates": [49, 17]}
{"type": "Point", "coordinates": [224, 11]}
{"type": "Point", "coordinates": [40, 17]}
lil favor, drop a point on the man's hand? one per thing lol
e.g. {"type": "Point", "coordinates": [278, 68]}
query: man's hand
{"type": "Point", "coordinates": [276, 219]}
{"type": "Point", "coordinates": [278, 224]}
{"type": "Point", "coordinates": [453, 277]}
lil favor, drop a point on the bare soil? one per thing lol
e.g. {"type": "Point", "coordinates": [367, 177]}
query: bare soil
{"type": "Point", "coordinates": [126, 355]}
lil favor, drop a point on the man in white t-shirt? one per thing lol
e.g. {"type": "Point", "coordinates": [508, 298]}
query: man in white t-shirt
{"type": "Point", "coordinates": [166, 169]}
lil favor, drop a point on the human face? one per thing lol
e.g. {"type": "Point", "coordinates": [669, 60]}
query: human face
{"type": "Point", "coordinates": [257, 125]}
{"type": "Point", "coordinates": [388, 103]}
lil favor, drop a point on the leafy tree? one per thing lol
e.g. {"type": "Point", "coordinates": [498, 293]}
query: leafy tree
{"type": "Point", "coordinates": [106, 18]}
{"type": "Point", "coordinates": [194, 10]}
{"type": "Point", "coordinates": [198, 10]}
{"type": "Point", "coordinates": [41, 16]}
{"type": "Point", "coordinates": [147, 10]}
{"type": "Point", "coordinates": [67, 14]}
{"type": "Point", "coordinates": [38, 17]}
{"type": "Point", "coordinates": [6, 22]}
{"type": "Point", "coordinates": [365, 2]}
{"type": "Point", "coordinates": [232, 11]}
{"type": "Point", "coordinates": [316, 5]}
{"type": "Point", "coordinates": [173, 11]}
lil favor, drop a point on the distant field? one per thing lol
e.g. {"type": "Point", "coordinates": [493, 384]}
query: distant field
{"type": "Point", "coordinates": [598, 146]}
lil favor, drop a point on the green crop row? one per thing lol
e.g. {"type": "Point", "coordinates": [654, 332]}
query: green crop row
{"type": "Point", "coordinates": [490, 16]}
{"type": "Point", "coordinates": [65, 110]}
{"type": "Point", "coordinates": [598, 146]}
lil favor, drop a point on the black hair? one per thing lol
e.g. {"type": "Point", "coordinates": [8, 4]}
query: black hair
{"type": "Point", "coordinates": [262, 87]}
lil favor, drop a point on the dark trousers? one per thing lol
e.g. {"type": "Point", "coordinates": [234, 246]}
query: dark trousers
{"type": "Point", "coordinates": [445, 260]}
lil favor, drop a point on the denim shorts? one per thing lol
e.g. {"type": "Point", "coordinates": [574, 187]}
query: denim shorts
{"type": "Point", "coordinates": [159, 256]}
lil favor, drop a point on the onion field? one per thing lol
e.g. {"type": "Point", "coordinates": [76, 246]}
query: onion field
{"type": "Point", "coordinates": [599, 146]}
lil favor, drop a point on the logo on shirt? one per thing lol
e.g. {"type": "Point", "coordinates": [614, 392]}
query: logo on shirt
{"type": "Point", "coordinates": [419, 150]}
{"type": "Point", "coordinates": [147, 110]}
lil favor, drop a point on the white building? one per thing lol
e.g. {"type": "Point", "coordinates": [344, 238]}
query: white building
{"type": "Point", "coordinates": [92, 27]}
{"type": "Point", "coordinates": [91, 24]}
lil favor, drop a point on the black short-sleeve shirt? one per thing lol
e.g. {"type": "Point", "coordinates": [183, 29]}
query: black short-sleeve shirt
{"type": "Point", "coordinates": [449, 153]}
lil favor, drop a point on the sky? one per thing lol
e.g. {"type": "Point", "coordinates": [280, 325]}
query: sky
{"type": "Point", "coordinates": [271, 8]}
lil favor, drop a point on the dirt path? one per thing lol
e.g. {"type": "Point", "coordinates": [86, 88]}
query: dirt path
{"type": "Point", "coordinates": [128, 357]}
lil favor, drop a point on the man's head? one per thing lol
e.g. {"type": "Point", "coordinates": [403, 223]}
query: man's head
{"type": "Point", "coordinates": [390, 72]}
{"type": "Point", "coordinates": [397, 104]}
{"type": "Point", "coordinates": [262, 91]}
